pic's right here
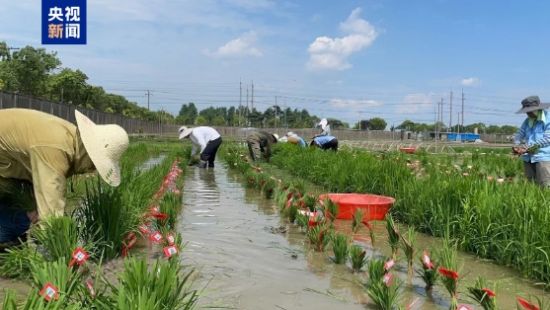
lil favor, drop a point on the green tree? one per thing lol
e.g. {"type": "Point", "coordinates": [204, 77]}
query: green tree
{"type": "Point", "coordinates": [69, 86]}
{"type": "Point", "coordinates": [201, 121]}
{"type": "Point", "coordinates": [31, 68]}
{"type": "Point", "coordinates": [377, 123]}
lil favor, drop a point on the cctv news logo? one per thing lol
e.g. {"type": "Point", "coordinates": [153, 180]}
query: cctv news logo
{"type": "Point", "coordinates": [63, 21]}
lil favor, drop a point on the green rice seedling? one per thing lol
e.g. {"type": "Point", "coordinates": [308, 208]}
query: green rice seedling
{"type": "Point", "coordinates": [10, 302]}
{"type": "Point", "coordinates": [302, 220]}
{"type": "Point", "coordinates": [449, 271]}
{"type": "Point", "coordinates": [310, 202]}
{"type": "Point", "coordinates": [330, 210]}
{"type": "Point", "coordinates": [376, 271]}
{"type": "Point", "coordinates": [35, 301]}
{"type": "Point", "coordinates": [107, 217]}
{"type": "Point", "coordinates": [269, 187]}
{"type": "Point", "coordinates": [292, 212]}
{"type": "Point", "coordinates": [58, 235]}
{"type": "Point", "coordinates": [386, 294]}
{"type": "Point", "coordinates": [482, 294]}
{"type": "Point", "coordinates": [357, 257]}
{"type": "Point", "coordinates": [357, 220]}
{"type": "Point", "coordinates": [16, 261]}
{"type": "Point", "coordinates": [170, 205]}
{"type": "Point", "coordinates": [429, 272]}
{"type": "Point", "coordinates": [319, 237]}
{"type": "Point", "coordinates": [340, 248]}
{"type": "Point", "coordinates": [165, 285]}
{"type": "Point", "coordinates": [66, 279]}
{"type": "Point", "coordinates": [409, 242]}
{"type": "Point", "coordinates": [393, 235]}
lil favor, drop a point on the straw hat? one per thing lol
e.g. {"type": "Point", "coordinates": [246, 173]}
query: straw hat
{"type": "Point", "coordinates": [184, 132]}
{"type": "Point", "coordinates": [105, 145]}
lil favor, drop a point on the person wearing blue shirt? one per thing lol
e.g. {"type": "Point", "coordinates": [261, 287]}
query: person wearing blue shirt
{"type": "Point", "coordinates": [325, 142]}
{"type": "Point", "coordinates": [295, 139]}
{"type": "Point", "coordinates": [533, 140]}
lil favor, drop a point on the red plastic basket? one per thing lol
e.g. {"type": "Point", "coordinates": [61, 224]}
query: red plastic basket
{"type": "Point", "coordinates": [408, 150]}
{"type": "Point", "coordinates": [374, 207]}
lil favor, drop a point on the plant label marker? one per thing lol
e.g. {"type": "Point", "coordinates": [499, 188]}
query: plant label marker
{"type": "Point", "coordinates": [79, 256]}
{"type": "Point", "coordinates": [389, 264]}
{"type": "Point", "coordinates": [155, 237]}
{"type": "Point", "coordinates": [144, 229]}
{"type": "Point", "coordinates": [170, 251]}
{"type": "Point", "coordinates": [170, 238]}
{"type": "Point", "coordinates": [387, 279]}
{"type": "Point", "coordinates": [90, 287]}
{"type": "Point", "coordinates": [49, 292]}
{"type": "Point", "coordinates": [464, 307]}
{"type": "Point", "coordinates": [427, 261]}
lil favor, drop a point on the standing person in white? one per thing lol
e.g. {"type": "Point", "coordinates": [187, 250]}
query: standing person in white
{"type": "Point", "coordinates": [207, 139]}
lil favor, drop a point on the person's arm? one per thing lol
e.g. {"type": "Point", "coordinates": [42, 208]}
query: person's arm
{"type": "Point", "coordinates": [49, 168]}
{"type": "Point", "coordinates": [520, 135]}
{"type": "Point", "coordinates": [542, 142]}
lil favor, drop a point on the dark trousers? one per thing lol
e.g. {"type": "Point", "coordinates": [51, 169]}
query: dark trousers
{"type": "Point", "coordinates": [331, 145]}
{"type": "Point", "coordinates": [13, 223]}
{"type": "Point", "coordinates": [209, 153]}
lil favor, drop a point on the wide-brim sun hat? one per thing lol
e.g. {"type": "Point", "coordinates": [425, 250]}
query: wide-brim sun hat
{"type": "Point", "coordinates": [323, 123]}
{"type": "Point", "coordinates": [105, 144]}
{"type": "Point", "coordinates": [184, 132]}
{"type": "Point", "coordinates": [276, 136]}
{"type": "Point", "coordinates": [532, 103]}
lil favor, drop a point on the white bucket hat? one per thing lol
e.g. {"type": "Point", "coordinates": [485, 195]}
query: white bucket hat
{"type": "Point", "coordinates": [323, 123]}
{"type": "Point", "coordinates": [276, 136]}
{"type": "Point", "coordinates": [184, 132]}
{"type": "Point", "coordinates": [105, 145]}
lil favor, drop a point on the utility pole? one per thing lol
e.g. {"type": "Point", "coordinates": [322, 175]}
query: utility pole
{"type": "Point", "coordinates": [462, 120]}
{"type": "Point", "coordinates": [240, 101]}
{"type": "Point", "coordinates": [148, 96]}
{"type": "Point", "coordinates": [247, 106]}
{"type": "Point", "coordinates": [451, 112]}
{"type": "Point", "coordinates": [252, 102]}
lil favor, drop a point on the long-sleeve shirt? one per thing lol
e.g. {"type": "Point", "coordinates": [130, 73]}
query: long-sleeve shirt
{"type": "Point", "coordinates": [200, 136]}
{"type": "Point", "coordinates": [535, 132]}
{"type": "Point", "coordinates": [321, 140]}
{"type": "Point", "coordinates": [42, 149]}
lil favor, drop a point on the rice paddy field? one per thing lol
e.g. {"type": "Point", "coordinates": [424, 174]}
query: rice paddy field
{"type": "Point", "coordinates": [466, 231]}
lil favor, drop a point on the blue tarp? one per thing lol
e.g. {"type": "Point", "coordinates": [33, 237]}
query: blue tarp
{"type": "Point", "coordinates": [470, 137]}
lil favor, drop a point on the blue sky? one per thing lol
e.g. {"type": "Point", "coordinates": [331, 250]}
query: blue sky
{"type": "Point", "coordinates": [345, 59]}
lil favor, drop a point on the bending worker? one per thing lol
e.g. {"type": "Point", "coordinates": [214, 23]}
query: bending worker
{"type": "Point", "coordinates": [293, 138]}
{"type": "Point", "coordinates": [38, 152]}
{"type": "Point", "coordinates": [535, 134]}
{"type": "Point", "coordinates": [325, 142]}
{"type": "Point", "coordinates": [206, 139]}
{"type": "Point", "coordinates": [259, 144]}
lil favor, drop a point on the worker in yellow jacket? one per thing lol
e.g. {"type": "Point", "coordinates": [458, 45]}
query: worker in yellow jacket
{"type": "Point", "coordinates": [38, 152]}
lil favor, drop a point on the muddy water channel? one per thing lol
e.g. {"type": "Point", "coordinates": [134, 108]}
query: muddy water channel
{"type": "Point", "coordinates": [249, 258]}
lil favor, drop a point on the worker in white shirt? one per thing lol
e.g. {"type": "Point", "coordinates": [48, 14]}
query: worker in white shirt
{"type": "Point", "coordinates": [207, 139]}
{"type": "Point", "coordinates": [325, 128]}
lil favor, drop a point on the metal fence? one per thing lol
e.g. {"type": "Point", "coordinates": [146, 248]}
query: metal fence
{"type": "Point", "coordinates": [65, 111]}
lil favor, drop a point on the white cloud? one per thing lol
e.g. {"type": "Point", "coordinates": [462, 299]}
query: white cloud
{"type": "Point", "coordinates": [332, 53]}
{"type": "Point", "coordinates": [472, 81]}
{"type": "Point", "coordinates": [413, 103]}
{"type": "Point", "coordinates": [241, 46]}
{"type": "Point", "coordinates": [353, 104]}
